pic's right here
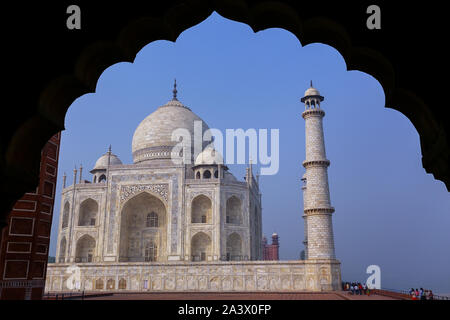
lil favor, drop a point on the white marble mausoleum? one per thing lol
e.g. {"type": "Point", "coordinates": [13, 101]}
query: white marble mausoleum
{"type": "Point", "coordinates": [160, 225]}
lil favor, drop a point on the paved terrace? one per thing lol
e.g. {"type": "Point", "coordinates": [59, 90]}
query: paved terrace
{"type": "Point", "coordinates": [333, 295]}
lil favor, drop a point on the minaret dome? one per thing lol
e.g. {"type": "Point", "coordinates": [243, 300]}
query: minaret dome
{"type": "Point", "coordinates": [312, 98]}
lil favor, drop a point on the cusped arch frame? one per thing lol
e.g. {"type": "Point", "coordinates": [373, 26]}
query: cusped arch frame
{"type": "Point", "coordinates": [150, 193]}
{"type": "Point", "coordinates": [118, 232]}
{"type": "Point", "coordinates": [200, 233]}
{"type": "Point", "coordinates": [153, 194]}
{"type": "Point", "coordinates": [193, 196]}
{"type": "Point", "coordinates": [24, 150]}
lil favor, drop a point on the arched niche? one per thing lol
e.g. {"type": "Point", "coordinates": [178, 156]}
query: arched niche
{"type": "Point", "coordinates": [143, 226]}
{"type": "Point", "coordinates": [65, 217]}
{"type": "Point", "coordinates": [207, 174]}
{"type": "Point", "coordinates": [110, 284]}
{"type": "Point", "coordinates": [201, 209]}
{"type": "Point", "coordinates": [62, 250]}
{"type": "Point", "coordinates": [88, 213]}
{"type": "Point", "coordinates": [85, 249]}
{"type": "Point", "coordinates": [99, 284]}
{"type": "Point", "coordinates": [234, 247]}
{"type": "Point", "coordinates": [201, 247]}
{"type": "Point", "coordinates": [233, 211]}
{"type": "Point", "coordinates": [122, 284]}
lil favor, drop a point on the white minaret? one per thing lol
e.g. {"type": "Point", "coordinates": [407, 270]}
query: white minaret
{"type": "Point", "coordinates": [317, 207]}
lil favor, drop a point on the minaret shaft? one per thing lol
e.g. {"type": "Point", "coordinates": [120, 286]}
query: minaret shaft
{"type": "Point", "coordinates": [319, 239]}
{"type": "Point", "coordinates": [315, 144]}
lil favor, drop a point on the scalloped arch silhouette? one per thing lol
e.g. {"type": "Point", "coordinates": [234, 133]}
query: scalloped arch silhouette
{"type": "Point", "coordinates": [23, 150]}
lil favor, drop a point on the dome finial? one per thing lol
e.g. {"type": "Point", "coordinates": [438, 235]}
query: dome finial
{"type": "Point", "coordinates": [109, 149]}
{"type": "Point", "coordinates": [175, 90]}
{"type": "Point", "coordinates": [311, 84]}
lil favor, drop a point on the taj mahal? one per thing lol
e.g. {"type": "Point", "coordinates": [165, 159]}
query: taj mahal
{"type": "Point", "coordinates": [161, 225]}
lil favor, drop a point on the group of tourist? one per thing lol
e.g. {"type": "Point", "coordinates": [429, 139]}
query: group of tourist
{"type": "Point", "coordinates": [356, 288]}
{"type": "Point", "coordinates": [421, 294]}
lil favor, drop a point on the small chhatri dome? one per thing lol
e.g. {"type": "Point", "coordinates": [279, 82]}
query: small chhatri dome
{"type": "Point", "coordinates": [312, 92]}
{"type": "Point", "coordinates": [209, 156]}
{"type": "Point", "coordinates": [102, 162]}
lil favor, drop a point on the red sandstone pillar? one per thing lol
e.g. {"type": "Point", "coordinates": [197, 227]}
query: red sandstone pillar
{"type": "Point", "coordinates": [26, 238]}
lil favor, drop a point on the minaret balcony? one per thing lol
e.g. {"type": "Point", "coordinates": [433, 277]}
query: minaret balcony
{"type": "Point", "coordinates": [316, 163]}
{"type": "Point", "coordinates": [312, 211]}
{"type": "Point", "coordinates": [313, 112]}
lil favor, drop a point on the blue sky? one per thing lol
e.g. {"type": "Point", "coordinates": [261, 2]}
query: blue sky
{"type": "Point", "coordinates": [389, 212]}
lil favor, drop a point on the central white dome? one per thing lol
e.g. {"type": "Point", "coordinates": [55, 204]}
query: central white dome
{"type": "Point", "coordinates": [153, 137]}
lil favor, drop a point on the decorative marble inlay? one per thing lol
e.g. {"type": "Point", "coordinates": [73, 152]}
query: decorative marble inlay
{"type": "Point", "coordinates": [194, 194]}
{"type": "Point", "coordinates": [128, 191]}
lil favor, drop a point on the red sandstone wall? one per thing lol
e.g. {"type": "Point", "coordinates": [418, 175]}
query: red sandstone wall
{"type": "Point", "coordinates": [270, 252]}
{"type": "Point", "coordinates": [25, 240]}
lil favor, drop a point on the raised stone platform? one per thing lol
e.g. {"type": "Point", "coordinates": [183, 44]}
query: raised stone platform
{"type": "Point", "coordinates": [243, 276]}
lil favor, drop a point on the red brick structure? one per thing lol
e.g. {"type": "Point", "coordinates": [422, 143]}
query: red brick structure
{"type": "Point", "coordinates": [271, 251]}
{"type": "Point", "coordinates": [25, 240]}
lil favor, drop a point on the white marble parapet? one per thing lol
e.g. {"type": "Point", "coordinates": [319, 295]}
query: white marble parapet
{"type": "Point", "coordinates": [276, 276]}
